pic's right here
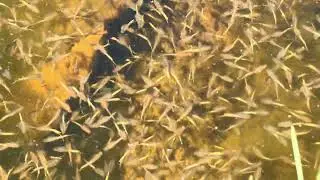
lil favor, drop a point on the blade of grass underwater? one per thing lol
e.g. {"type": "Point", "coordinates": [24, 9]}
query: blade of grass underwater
{"type": "Point", "coordinates": [296, 153]}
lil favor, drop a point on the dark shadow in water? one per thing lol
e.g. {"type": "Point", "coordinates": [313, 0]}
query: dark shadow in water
{"type": "Point", "coordinates": [101, 65]}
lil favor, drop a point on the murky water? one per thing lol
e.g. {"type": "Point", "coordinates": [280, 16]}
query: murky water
{"type": "Point", "coordinates": [210, 92]}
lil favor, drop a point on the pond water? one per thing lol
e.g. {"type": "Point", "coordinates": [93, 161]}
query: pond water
{"type": "Point", "coordinates": [178, 90]}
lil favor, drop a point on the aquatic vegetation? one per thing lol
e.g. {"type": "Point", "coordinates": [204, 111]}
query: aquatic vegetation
{"type": "Point", "coordinates": [162, 89]}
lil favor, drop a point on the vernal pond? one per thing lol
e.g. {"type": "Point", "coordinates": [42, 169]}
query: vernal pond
{"type": "Point", "coordinates": [159, 89]}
